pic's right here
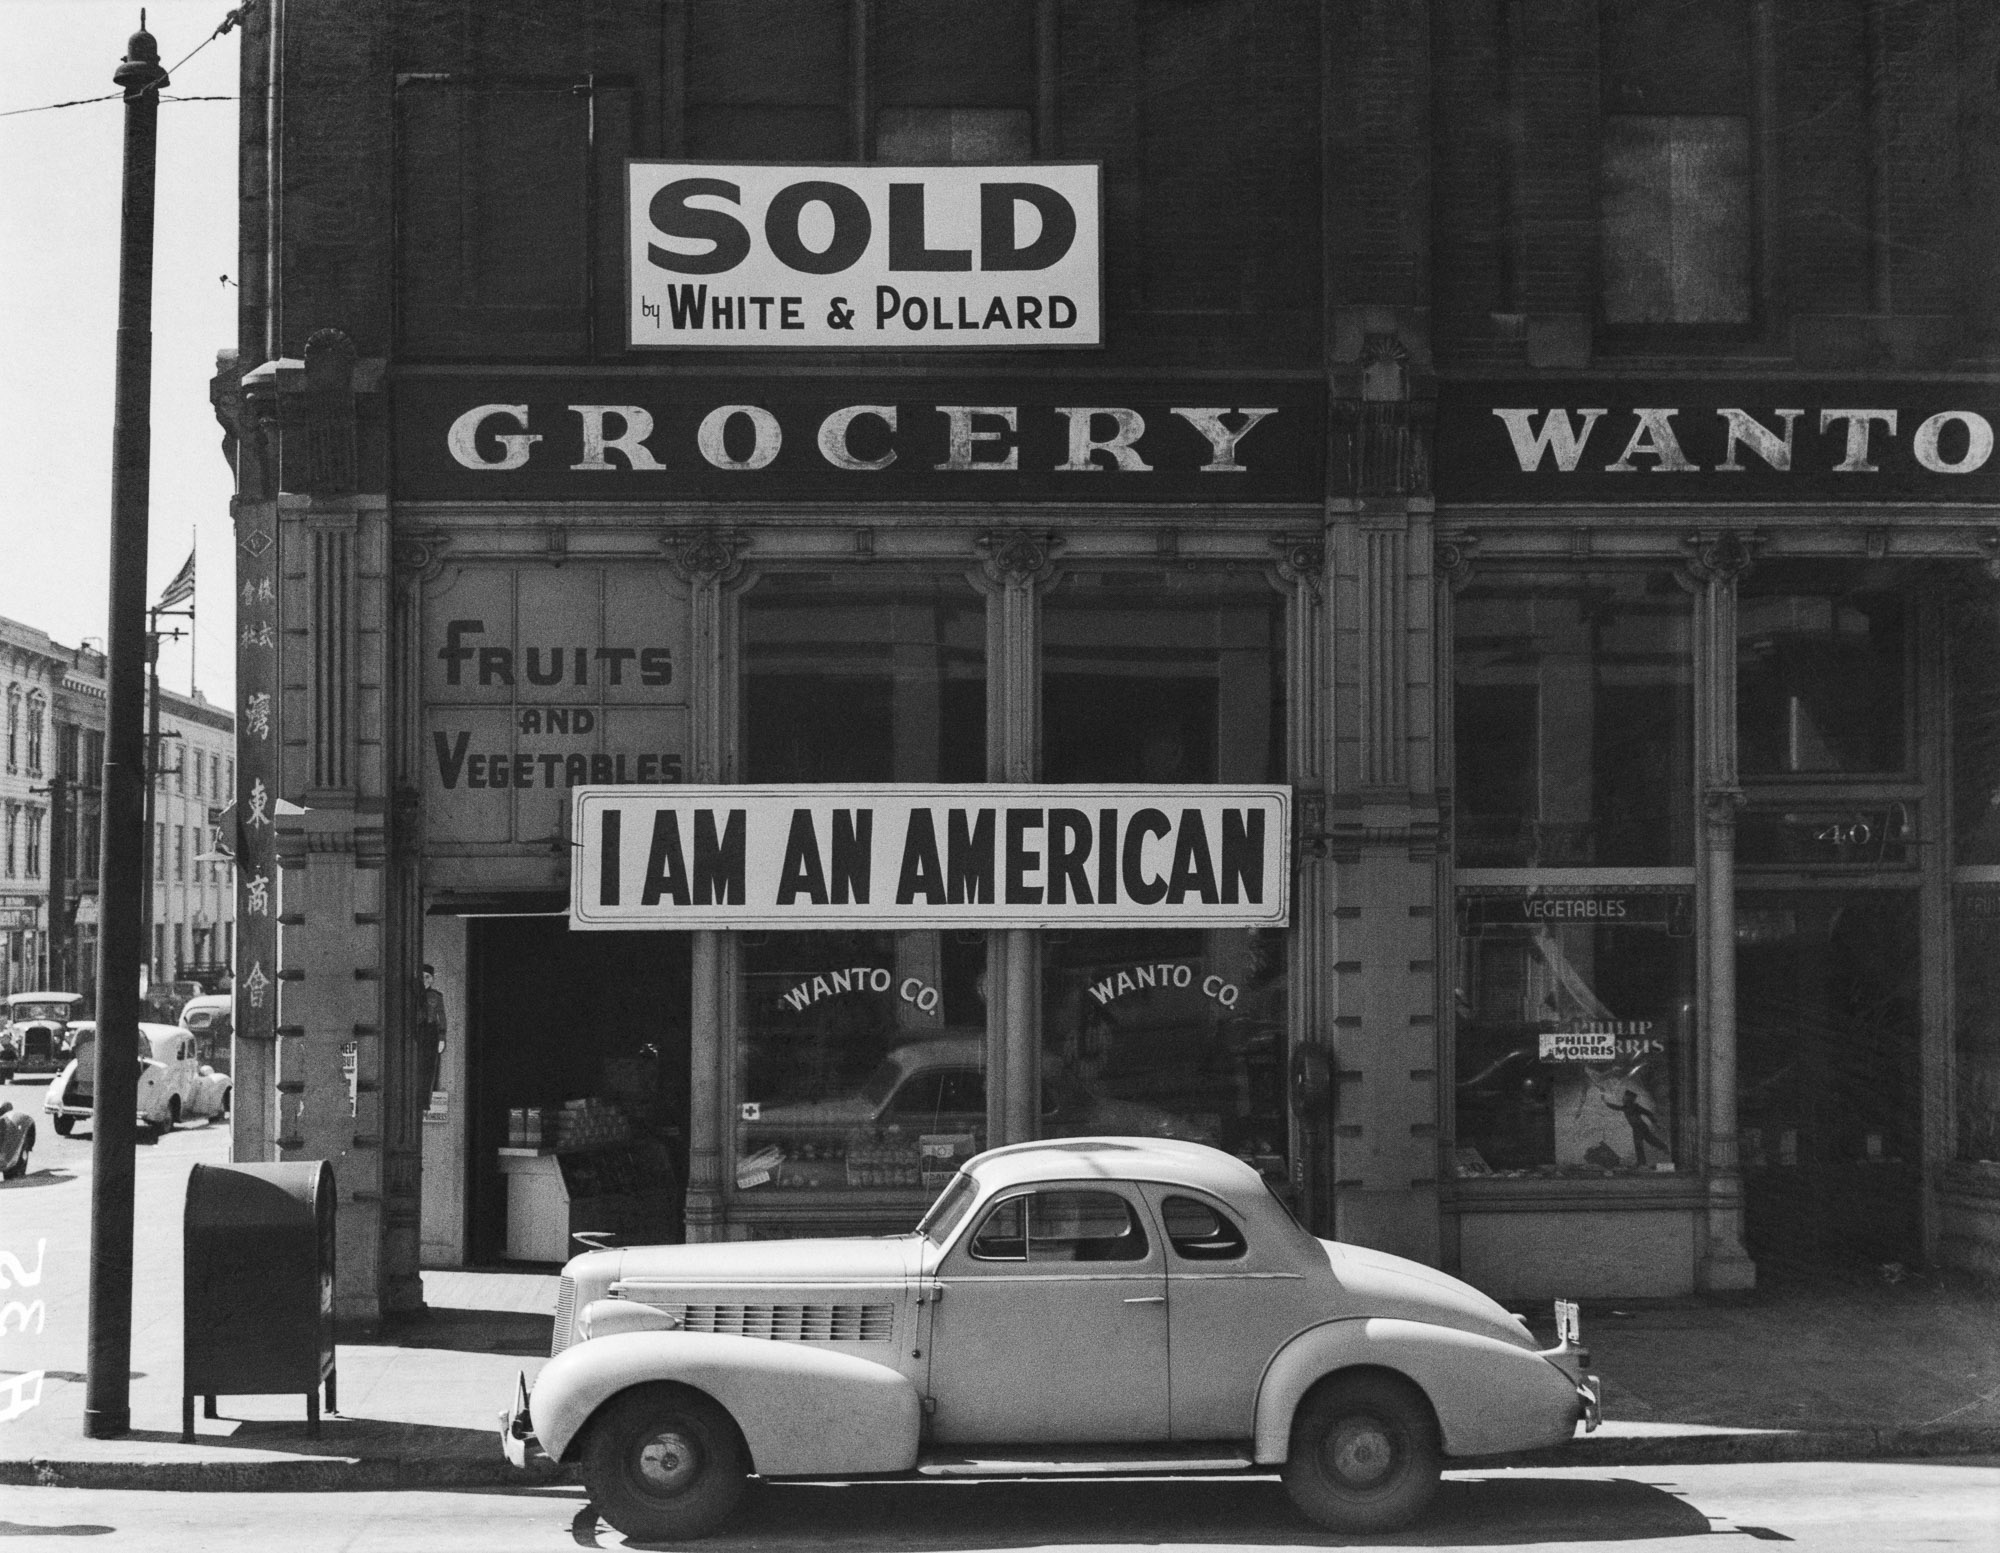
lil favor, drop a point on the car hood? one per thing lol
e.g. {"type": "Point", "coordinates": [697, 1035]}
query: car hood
{"type": "Point", "coordinates": [737, 1263]}
{"type": "Point", "coordinates": [1384, 1285]}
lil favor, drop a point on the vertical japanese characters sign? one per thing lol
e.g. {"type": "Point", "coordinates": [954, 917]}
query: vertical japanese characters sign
{"type": "Point", "coordinates": [256, 789]}
{"type": "Point", "coordinates": [735, 255]}
{"type": "Point", "coordinates": [541, 679]}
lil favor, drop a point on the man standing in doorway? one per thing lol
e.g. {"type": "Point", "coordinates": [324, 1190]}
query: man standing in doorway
{"type": "Point", "coordinates": [430, 1034]}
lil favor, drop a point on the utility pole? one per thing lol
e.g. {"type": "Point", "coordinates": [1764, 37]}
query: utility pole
{"type": "Point", "coordinates": [107, 1407]}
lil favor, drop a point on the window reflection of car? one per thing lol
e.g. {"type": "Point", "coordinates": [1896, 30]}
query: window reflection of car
{"type": "Point", "coordinates": [939, 1085]}
{"type": "Point", "coordinates": [1505, 1106]}
{"type": "Point", "coordinates": [173, 1086]}
{"type": "Point", "coordinates": [38, 1033]}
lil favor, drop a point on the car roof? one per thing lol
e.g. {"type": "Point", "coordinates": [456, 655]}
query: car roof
{"type": "Point", "coordinates": [1168, 1160]}
{"type": "Point", "coordinates": [940, 1051]}
{"type": "Point", "coordinates": [43, 997]}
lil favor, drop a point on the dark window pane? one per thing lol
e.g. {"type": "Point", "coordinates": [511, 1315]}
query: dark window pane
{"type": "Point", "coordinates": [486, 262]}
{"type": "Point", "coordinates": [1675, 219]}
{"type": "Point", "coordinates": [937, 54]}
{"type": "Point", "coordinates": [1574, 721]}
{"type": "Point", "coordinates": [1067, 1226]}
{"type": "Point", "coordinates": [1973, 635]}
{"type": "Point", "coordinates": [1200, 1233]}
{"type": "Point", "coordinates": [1150, 678]}
{"type": "Point", "coordinates": [1819, 676]}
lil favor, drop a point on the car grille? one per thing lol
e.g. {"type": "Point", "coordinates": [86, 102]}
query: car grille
{"type": "Point", "coordinates": [791, 1323]}
{"type": "Point", "coordinates": [565, 1317]}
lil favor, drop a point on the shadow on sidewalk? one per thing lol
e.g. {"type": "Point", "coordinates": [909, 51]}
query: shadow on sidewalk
{"type": "Point", "coordinates": [471, 1331]}
{"type": "Point", "coordinates": [338, 1436]}
{"type": "Point", "coordinates": [1509, 1511]}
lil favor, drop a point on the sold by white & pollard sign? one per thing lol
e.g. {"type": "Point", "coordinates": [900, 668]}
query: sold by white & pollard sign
{"type": "Point", "coordinates": [734, 255]}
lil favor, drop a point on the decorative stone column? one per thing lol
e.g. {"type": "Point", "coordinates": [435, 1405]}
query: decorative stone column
{"type": "Point", "coordinates": [1383, 819]}
{"type": "Point", "coordinates": [1015, 567]}
{"type": "Point", "coordinates": [1717, 561]}
{"type": "Point", "coordinates": [710, 562]}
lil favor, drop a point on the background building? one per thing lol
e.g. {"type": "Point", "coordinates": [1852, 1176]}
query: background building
{"type": "Point", "coordinates": [54, 732]}
{"type": "Point", "coordinates": [1554, 440]}
{"type": "Point", "coordinates": [194, 905]}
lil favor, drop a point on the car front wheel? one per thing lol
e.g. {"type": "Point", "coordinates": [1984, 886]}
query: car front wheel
{"type": "Point", "coordinates": [64, 1125]}
{"type": "Point", "coordinates": [1365, 1454]}
{"type": "Point", "coordinates": [664, 1463]}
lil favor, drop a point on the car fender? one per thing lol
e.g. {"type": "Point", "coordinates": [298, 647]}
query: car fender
{"type": "Point", "coordinates": [803, 1410]}
{"type": "Point", "coordinates": [1489, 1396]}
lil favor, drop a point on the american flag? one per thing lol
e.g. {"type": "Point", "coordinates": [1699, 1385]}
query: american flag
{"type": "Point", "coordinates": [181, 589]}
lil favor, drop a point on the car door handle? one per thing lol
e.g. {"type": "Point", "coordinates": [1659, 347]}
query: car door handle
{"type": "Point", "coordinates": [1148, 1299]}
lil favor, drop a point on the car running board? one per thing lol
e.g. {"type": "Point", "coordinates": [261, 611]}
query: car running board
{"type": "Point", "coordinates": [1087, 1461]}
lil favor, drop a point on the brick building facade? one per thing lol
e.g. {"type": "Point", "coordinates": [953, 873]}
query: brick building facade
{"type": "Point", "coordinates": [1607, 572]}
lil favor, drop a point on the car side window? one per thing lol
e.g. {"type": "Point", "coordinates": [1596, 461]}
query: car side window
{"type": "Point", "coordinates": [1069, 1226]}
{"type": "Point", "coordinates": [962, 1089]}
{"type": "Point", "coordinates": [1002, 1237]}
{"type": "Point", "coordinates": [1060, 1225]}
{"type": "Point", "coordinates": [1199, 1233]}
{"type": "Point", "coordinates": [917, 1097]}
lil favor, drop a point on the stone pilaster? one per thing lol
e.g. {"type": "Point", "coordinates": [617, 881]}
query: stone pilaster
{"type": "Point", "coordinates": [1015, 566]}
{"type": "Point", "coordinates": [1382, 824]}
{"type": "Point", "coordinates": [1716, 562]}
{"type": "Point", "coordinates": [711, 563]}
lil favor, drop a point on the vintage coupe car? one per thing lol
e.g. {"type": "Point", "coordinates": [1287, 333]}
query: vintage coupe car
{"type": "Point", "coordinates": [1093, 1305]}
{"type": "Point", "coordinates": [39, 1031]}
{"type": "Point", "coordinates": [173, 1086]}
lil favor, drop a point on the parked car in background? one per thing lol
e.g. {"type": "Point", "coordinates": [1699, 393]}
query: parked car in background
{"type": "Point", "coordinates": [38, 1033]}
{"type": "Point", "coordinates": [173, 1086]}
{"type": "Point", "coordinates": [1082, 1305]}
{"type": "Point", "coordinates": [17, 1141]}
{"type": "Point", "coordinates": [210, 1017]}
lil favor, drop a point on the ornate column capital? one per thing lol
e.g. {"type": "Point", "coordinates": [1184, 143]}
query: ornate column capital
{"type": "Point", "coordinates": [1452, 558]}
{"type": "Point", "coordinates": [418, 558]}
{"type": "Point", "coordinates": [1988, 541]}
{"type": "Point", "coordinates": [1719, 805]}
{"type": "Point", "coordinates": [1720, 555]}
{"type": "Point", "coordinates": [1302, 559]}
{"type": "Point", "coordinates": [1018, 558]}
{"type": "Point", "coordinates": [706, 554]}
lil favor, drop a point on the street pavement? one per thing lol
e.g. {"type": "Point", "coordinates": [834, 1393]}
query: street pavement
{"type": "Point", "coordinates": [1807, 1368]}
{"type": "Point", "coordinates": [1864, 1507]}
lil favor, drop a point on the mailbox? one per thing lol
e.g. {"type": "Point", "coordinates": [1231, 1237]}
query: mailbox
{"type": "Point", "coordinates": [258, 1249]}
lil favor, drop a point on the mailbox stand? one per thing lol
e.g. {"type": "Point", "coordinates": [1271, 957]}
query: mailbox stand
{"type": "Point", "coordinates": [258, 1271]}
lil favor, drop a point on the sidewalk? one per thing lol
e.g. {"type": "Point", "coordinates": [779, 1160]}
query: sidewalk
{"type": "Point", "coordinates": [1830, 1369]}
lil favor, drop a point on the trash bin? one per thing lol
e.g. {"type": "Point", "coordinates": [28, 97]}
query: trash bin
{"type": "Point", "coordinates": [257, 1243]}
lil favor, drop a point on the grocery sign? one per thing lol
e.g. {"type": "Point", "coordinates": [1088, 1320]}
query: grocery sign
{"type": "Point", "coordinates": [911, 855]}
{"type": "Point", "coordinates": [729, 255]}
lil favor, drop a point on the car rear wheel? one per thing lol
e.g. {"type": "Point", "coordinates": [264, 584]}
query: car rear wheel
{"type": "Point", "coordinates": [664, 1463]}
{"type": "Point", "coordinates": [64, 1125]}
{"type": "Point", "coordinates": [1365, 1454]}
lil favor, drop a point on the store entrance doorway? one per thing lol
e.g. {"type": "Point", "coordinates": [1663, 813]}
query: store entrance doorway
{"type": "Point", "coordinates": [592, 1027]}
{"type": "Point", "coordinates": [1828, 1099]}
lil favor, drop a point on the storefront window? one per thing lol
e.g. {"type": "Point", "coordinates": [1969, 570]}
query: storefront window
{"type": "Point", "coordinates": [1574, 991]}
{"type": "Point", "coordinates": [1574, 721]}
{"type": "Point", "coordinates": [863, 1057]}
{"type": "Point", "coordinates": [1819, 674]}
{"type": "Point", "coordinates": [1165, 677]}
{"type": "Point", "coordinates": [1575, 1025]}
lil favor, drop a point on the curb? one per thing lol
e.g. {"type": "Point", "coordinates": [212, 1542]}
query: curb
{"type": "Point", "coordinates": [337, 1474]}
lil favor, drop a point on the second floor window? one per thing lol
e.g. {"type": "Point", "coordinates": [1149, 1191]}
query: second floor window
{"type": "Point", "coordinates": [34, 843]}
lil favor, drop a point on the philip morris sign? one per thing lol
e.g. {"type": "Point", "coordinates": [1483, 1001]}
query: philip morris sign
{"type": "Point", "coordinates": [583, 437]}
{"type": "Point", "coordinates": [1611, 441]}
{"type": "Point", "coordinates": [910, 855]}
{"type": "Point", "coordinates": [734, 255]}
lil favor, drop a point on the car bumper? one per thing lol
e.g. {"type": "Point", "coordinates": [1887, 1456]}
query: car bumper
{"type": "Point", "coordinates": [517, 1432]}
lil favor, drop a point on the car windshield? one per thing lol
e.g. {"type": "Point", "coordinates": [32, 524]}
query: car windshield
{"type": "Point", "coordinates": [881, 1082]}
{"type": "Point", "coordinates": [41, 1010]}
{"type": "Point", "coordinates": [944, 1216]}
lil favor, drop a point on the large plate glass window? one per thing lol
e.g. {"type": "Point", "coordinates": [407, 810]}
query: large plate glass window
{"type": "Point", "coordinates": [1574, 991]}
{"type": "Point", "coordinates": [1174, 677]}
{"type": "Point", "coordinates": [862, 1063]}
